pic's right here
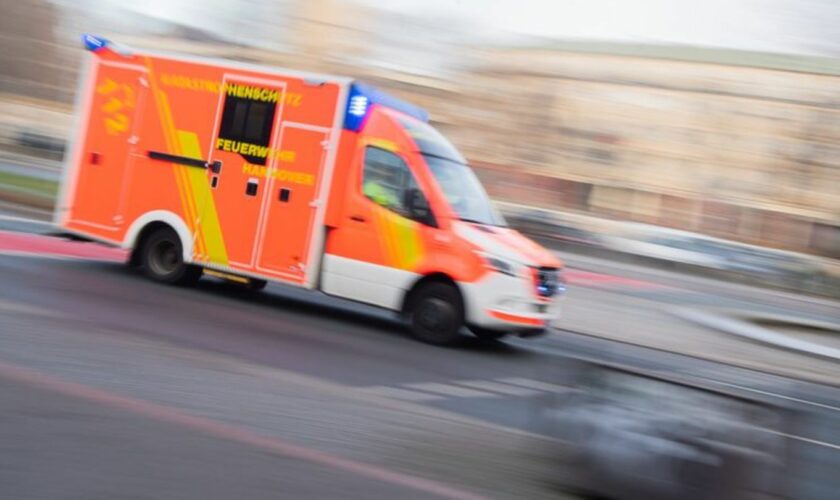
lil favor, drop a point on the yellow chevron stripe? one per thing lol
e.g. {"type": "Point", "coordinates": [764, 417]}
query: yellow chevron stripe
{"type": "Point", "coordinates": [409, 243]}
{"type": "Point", "coordinates": [172, 144]}
{"type": "Point", "coordinates": [380, 216]}
{"type": "Point", "coordinates": [182, 176]}
{"type": "Point", "coordinates": [210, 228]}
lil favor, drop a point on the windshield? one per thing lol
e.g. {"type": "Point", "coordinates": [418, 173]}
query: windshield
{"type": "Point", "coordinates": [429, 141]}
{"type": "Point", "coordinates": [459, 183]}
{"type": "Point", "coordinates": [463, 191]}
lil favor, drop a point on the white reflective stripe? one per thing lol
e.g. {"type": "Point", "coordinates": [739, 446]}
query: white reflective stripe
{"type": "Point", "coordinates": [489, 385]}
{"type": "Point", "coordinates": [535, 384]}
{"type": "Point", "coordinates": [451, 390]}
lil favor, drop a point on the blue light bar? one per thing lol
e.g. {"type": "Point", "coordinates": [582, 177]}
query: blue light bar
{"type": "Point", "coordinates": [363, 96]}
{"type": "Point", "coordinates": [94, 43]}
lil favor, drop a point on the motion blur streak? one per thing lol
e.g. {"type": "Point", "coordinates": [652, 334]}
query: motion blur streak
{"type": "Point", "coordinates": [164, 414]}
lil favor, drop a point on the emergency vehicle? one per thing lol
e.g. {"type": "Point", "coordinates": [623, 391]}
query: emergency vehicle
{"type": "Point", "coordinates": [256, 173]}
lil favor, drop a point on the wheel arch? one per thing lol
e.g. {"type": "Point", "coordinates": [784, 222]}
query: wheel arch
{"type": "Point", "coordinates": [150, 221]}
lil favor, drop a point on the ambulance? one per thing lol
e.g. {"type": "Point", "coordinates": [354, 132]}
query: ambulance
{"type": "Point", "coordinates": [258, 174]}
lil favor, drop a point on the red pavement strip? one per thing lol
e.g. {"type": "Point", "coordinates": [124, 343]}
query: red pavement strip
{"type": "Point", "coordinates": [227, 432]}
{"type": "Point", "coordinates": [598, 280]}
{"type": "Point", "coordinates": [36, 245]}
{"type": "Point", "coordinates": [49, 246]}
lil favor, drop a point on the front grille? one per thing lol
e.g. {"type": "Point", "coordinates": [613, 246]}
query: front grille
{"type": "Point", "coordinates": [548, 281]}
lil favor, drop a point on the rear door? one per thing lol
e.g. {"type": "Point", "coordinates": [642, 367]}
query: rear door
{"type": "Point", "coordinates": [292, 204]}
{"type": "Point", "coordinates": [105, 161]}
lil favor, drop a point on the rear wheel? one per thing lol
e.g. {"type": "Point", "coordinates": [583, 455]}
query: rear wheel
{"type": "Point", "coordinates": [487, 334]}
{"type": "Point", "coordinates": [162, 259]}
{"type": "Point", "coordinates": [436, 314]}
{"type": "Point", "coordinates": [256, 284]}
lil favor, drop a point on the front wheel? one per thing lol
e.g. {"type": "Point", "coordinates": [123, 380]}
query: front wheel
{"type": "Point", "coordinates": [436, 314]}
{"type": "Point", "coordinates": [162, 259]}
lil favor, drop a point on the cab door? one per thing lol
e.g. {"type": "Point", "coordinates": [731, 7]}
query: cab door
{"type": "Point", "coordinates": [378, 251]}
{"type": "Point", "coordinates": [108, 150]}
{"type": "Point", "coordinates": [243, 154]}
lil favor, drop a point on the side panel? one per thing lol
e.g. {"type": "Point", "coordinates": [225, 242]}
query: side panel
{"type": "Point", "coordinates": [105, 155]}
{"type": "Point", "coordinates": [127, 166]}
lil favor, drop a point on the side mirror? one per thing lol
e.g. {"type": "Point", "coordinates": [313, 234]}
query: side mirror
{"type": "Point", "coordinates": [418, 207]}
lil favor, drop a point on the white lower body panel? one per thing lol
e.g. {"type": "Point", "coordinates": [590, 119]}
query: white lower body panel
{"type": "Point", "coordinates": [498, 301]}
{"type": "Point", "coordinates": [365, 282]}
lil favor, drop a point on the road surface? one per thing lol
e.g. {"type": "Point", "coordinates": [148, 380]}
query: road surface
{"type": "Point", "coordinates": [111, 385]}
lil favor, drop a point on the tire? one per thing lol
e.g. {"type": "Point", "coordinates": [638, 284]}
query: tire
{"type": "Point", "coordinates": [436, 314]}
{"type": "Point", "coordinates": [487, 334]}
{"type": "Point", "coordinates": [162, 259]}
{"type": "Point", "coordinates": [255, 285]}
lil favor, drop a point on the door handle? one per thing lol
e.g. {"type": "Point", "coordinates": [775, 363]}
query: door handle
{"type": "Point", "coordinates": [358, 218]}
{"type": "Point", "coordinates": [185, 160]}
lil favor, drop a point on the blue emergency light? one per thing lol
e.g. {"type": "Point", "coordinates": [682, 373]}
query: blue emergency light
{"type": "Point", "coordinates": [94, 43]}
{"type": "Point", "coordinates": [363, 96]}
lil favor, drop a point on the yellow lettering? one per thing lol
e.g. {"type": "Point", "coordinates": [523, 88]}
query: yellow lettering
{"type": "Point", "coordinates": [286, 156]}
{"type": "Point", "coordinates": [294, 99]}
{"type": "Point", "coordinates": [112, 106]}
{"type": "Point", "coordinates": [117, 124]}
{"type": "Point", "coordinates": [301, 178]}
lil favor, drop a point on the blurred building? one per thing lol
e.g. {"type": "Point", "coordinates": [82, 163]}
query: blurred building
{"type": "Point", "coordinates": [736, 145]}
{"type": "Point", "coordinates": [711, 145]}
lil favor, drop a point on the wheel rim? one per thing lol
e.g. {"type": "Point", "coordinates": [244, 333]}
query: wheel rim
{"type": "Point", "coordinates": [164, 258]}
{"type": "Point", "coordinates": [434, 315]}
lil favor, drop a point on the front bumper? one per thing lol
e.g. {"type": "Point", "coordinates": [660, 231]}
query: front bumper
{"type": "Point", "coordinates": [502, 302]}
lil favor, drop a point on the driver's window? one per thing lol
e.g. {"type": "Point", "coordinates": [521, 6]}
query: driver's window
{"type": "Point", "coordinates": [388, 182]}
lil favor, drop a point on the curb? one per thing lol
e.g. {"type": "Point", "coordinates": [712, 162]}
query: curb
{"type": "Point", "coordinates": [735, 323]}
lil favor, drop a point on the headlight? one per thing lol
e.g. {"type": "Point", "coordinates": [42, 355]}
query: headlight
{"type": "Point", "coordinates": [499, 265]}
{"type": "Point", "coordinates": [548, 281]}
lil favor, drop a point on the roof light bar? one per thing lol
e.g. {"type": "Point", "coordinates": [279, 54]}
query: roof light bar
{"type": "Point", "coordinates": [363, 97]}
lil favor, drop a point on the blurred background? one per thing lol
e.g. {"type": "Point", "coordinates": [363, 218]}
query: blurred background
{"type": "Point", "coordinates": [719, 119]}
{"type": "Point", "coordinates": [681, 157]}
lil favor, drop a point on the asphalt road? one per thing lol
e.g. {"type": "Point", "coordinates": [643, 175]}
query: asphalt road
{"type": "Point", "coordinates": [196, 393]}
